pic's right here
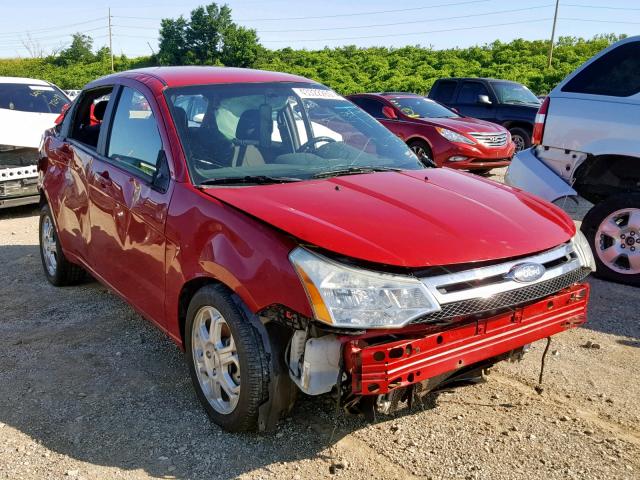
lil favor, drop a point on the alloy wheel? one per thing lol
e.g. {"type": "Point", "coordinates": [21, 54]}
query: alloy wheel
{"type": "Point", "coordinates": [519, 142]}
{"type": "Point", "coordinates": [216, 360]}
{"type": "Point", "coordinates": [48, 244]}
{"type": "Point", "coordinates": [617, 241]}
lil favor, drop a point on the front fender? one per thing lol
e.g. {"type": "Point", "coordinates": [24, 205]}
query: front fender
{"type": "Point", "coordinates": [528, 173]}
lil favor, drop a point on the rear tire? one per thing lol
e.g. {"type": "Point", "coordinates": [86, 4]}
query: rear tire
{"type": "Point", "coordinates": [58, 270]}
{"type": "Point", "coordinates": [521, 138]}
{"type": "Point", "coordinates": [612, 228]}
{"type": "Point", "coordinates": [226, 358]}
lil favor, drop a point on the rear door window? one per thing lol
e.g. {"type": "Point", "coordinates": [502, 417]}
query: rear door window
{"type": "Point", "coordinates": [470, 91]}
{"type": "Point", "coordinates": [443, 91]}
{"type": "Point", "coordinates": [88, 115]}
{"type": "Point", "coordinates": [371, 106]}
{"type": "Point", "coordinates": [616, 74]}
{"type": "Point", "coordinates": [134, 141]}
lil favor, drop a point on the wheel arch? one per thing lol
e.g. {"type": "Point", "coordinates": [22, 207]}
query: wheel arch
{"type": "Point", "coordinates": [602, 176]}
{"type": "Point", "coordinates": [509, 124]}
{"type": "Point", "coordinates": [188, 290]}
{"type": "Point", "coordinates": [420, 138]}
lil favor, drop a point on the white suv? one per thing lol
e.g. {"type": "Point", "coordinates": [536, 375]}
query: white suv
{"type": "Point", "coordinates": [587, 143]}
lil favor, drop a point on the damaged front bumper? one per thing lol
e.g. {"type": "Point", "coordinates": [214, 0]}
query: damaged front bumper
{"type": "Point", "coordinates": [377, 365]}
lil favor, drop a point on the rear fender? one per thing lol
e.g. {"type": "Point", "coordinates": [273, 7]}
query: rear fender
{"type": "Point", "coordinates": [528, 173]}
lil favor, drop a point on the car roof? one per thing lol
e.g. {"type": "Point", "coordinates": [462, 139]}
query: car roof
{"type": "Point", "coordinates": [203, 75]}
{"type": "Point", "coordinates": [387, 94]}
{"type": "Point", "coordinates": [487, 79]}
{"type": "Point", "coordinates": [22, 80]}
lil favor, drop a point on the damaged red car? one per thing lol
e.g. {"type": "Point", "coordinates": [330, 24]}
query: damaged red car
{"type": "Point", "coordinates": [288, 242]}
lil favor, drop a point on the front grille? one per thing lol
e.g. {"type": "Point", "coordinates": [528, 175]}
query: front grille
{"type": "Point", "coordinates": [507, 299]}
{"type": "Point", "coordinates": [491, 139]}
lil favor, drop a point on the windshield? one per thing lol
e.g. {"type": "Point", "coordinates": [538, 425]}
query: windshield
{"type": "Point", "coordinates": [279, 130]}
{"type": "Point", "coordinates": [420, 107]}
{"type": "Point", "coordinates": [514, 93]}
{"type": "Point", "coordinates": [32, 98]}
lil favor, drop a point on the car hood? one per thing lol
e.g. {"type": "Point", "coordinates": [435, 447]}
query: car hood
{"type": "Point", "coordinates": [463, 124]}
{"type": "Point", "coordinates": [24, 129]}
{"type": "Point", "coordinates": [408, 219]}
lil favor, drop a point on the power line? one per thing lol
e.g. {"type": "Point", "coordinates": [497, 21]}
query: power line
{"type": "Point", "coordinates": [361, 14]}
{"type": "Point", "coordinates": [41, 30]}
{"type": "Point", "coordinates": [49, 37]}
{"type": "Point", "coordinates": [352, 14]}
{"type": "Point", "coordinates": [598, 21]}
{"type": "Point", "coordinates": [599, 7]}
{"type": "Point", "coordinates": [497, 12]}
{"type": "Point", "coordinates": [409, 33]}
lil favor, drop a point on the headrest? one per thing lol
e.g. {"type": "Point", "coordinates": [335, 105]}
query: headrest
{"type": "Point", "coordinates": [180, 117]}
{"type": "Point", "coordinates": [249, 126]}
{"type": "Point", "coordinates": [99, 109]}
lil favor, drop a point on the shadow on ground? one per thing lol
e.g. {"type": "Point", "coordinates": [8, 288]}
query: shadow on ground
{"type": "Point", "coordinates": [86, 377]}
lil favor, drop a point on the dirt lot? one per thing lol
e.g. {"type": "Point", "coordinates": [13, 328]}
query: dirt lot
{"type": "Point", "coordinates": [89, 390]}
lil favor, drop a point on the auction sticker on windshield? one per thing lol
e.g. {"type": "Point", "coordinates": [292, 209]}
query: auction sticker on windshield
{"type": "Point", "coordinates": [316, 93]}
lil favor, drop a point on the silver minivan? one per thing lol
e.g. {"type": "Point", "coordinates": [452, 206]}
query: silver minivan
{"type": "Point", "coordinates": [587, 143]}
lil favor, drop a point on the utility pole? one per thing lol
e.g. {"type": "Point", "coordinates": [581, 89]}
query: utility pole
{"type": "Point", "coordinates": [553, 34]}
{"type": "Point", "coordinates": [110, 41]}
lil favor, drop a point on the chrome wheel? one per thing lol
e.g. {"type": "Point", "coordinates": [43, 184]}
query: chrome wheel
{"type": "Point", "coordinates": [519, 141]}
{"type": "Point", "coordinates": [216, 360]}
{"type": "Point", "coordinates": [617, 241]}
{"type": "Point", "coordinates": [48, 244]}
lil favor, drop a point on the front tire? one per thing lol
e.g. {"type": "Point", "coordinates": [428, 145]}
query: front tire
{"type": "Point", "coordinates": [59, 271]}
{"type": "Point", "coordinates": [521, 138]}
{"type": "Point", "coordinates": [421, 148]}
{"type": "Point", "coordinates": [612, 228]}
{"type": "Point", "coordinates": [226, 358]}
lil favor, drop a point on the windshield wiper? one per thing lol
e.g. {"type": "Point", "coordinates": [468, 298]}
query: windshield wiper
{"type": "Point", "coordinates": [354, 171]}
{"type": "Point", "coordinates": [249, 179]}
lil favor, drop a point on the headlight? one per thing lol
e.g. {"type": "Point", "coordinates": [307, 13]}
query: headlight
{"type": "Point", "coordinates": [453, 136]}
{"type": "Point", "coordinates": [350, 297]}
{"type": "Point", "coordinates": [582, 248]}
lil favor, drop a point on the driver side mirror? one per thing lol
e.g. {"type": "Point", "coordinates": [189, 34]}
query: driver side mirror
{"type": "Point", "coordinates": [389, 112]}
{"type": "Point", "coordinates": [162, 175]}
{"type": "Point", "coordinates": [484, 99]}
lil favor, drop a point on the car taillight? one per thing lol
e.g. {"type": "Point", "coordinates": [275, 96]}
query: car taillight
{"type": "Point", "coordinates": [538, 126]}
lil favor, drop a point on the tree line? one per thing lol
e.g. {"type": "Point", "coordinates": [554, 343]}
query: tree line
{"type": "Point", "coordinates": [210, 37]}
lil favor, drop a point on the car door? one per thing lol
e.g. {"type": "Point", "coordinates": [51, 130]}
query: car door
{"type": "Point", "coordinates": [128, 206]}
{"type": "Point", "coordinates": [71, 153]}
{"type": "Point", "coordinates": [468, 101]}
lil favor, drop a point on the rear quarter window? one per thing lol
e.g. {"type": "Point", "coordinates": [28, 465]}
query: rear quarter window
{"type": "Point", "coordinates": [615, 74]}
{"type": "Point", "coordinates": [443, 91]}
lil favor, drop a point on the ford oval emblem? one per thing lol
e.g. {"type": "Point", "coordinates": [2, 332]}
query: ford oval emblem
{"type": "Point", "coordinates": [526, 272]}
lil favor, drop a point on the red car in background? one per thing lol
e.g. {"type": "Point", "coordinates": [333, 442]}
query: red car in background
{"type": "Point", "coordinates": [438, 132]}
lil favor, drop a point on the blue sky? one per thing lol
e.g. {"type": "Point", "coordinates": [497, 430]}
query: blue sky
{"type": "Point", "coordinates": [313, 25]}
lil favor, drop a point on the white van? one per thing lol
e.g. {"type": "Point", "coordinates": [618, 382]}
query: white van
{"type": "Point", "coordinates": [587, 143]}
{"type": "Point", "coordinates": [27, 108]}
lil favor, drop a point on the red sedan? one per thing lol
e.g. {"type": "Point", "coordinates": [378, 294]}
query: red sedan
{"type": "Point", "coordinates": [289, 242]}
{"type": "Point", "coordinates": [440, 133]}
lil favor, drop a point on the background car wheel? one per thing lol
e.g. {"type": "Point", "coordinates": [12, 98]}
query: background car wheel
{"type": "Point", "coordinates": [58, 270]}
{"type": "Point", "coordinates": [521, 138]}
{"type": "Point", "coordinates": [613, 230]}
{"type": "Point", "coordinates": [420, 148]}
{"type": "Point", "coordinates": [226, 358]}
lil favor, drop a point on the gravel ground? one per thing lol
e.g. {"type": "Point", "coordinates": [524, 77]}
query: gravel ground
{"type": "Point", "coordinates": [90, 390]}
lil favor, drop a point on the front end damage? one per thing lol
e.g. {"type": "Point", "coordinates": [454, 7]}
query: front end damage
{"type": "Point", "coordinates": [18, 176]}
{"type": "Point", "coordinates": [485, 315]}
{"type": "Point", "coordinates": [420, 358]}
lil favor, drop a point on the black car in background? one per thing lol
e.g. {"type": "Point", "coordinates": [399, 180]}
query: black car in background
{"type": "Point", "coordinates": [507, 103]}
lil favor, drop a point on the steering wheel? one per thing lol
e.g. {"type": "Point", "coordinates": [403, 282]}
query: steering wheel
{"type": "Point", "coordinates": [306, 147]}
